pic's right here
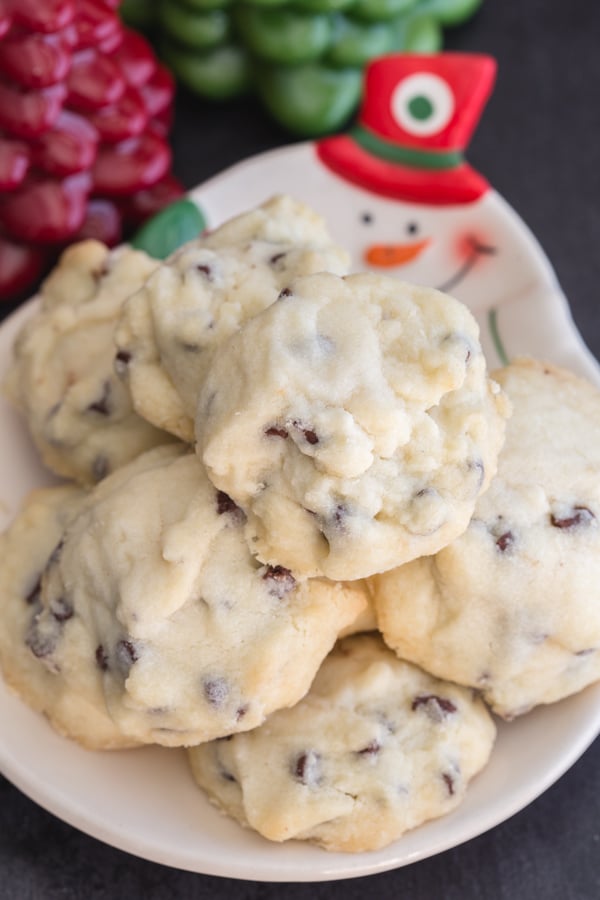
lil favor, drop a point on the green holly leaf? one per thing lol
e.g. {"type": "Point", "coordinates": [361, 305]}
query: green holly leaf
{"type": "Point", "coordinates": [173, 226]}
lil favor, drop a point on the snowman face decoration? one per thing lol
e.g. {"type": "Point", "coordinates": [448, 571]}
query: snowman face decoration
{"type": "Point", "coordinates": [408, 203]}
{"type": "Point", "coordinates": [398, 194]}
{"type": "Point", "coordinates": [479, 252]}
{"type": "Point", "coordinates": [453, 249]}
{"type": "Point", "coordinates": [461, 247]}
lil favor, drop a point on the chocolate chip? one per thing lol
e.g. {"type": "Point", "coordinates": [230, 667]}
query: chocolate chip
{"type": "Point", "coordinates": [41, 643]}
{"type": "Point", "coordinates": [426, 492]}
{"type": "Point", "coordinates": [334, 522]}
{"type": "Point", "coordinates": [61, 609]}
{"type": "Point", "coordinates": [280, 581]}
{"type": "Point", "coordinates": [127, 653]}
{"type": "Point", "coordinates": [101, 658]}
{"type": "Point", "coordinates": [276, 431]}
{"type": "Point", "coordinates": [286, 292]}
{"type": "Point", "coordinates": [55, 555]}
{"type": "Point", "coordinates": [34, 594]}
{"type": "Point", "coordinates": [102, 270]}
{"type": "Point", "coordinates": [387, 723]}
{"type": "Point", "coordinates": [505, 542]}
{"type": "Point", "coordinates": [216, 691]}
{"type": "Point", "coordinates": [205, 270]}
{"type": "Point", "coordinates": [102, 405]}
{"type": "Point", "coordinates": [371, 749]}
{"type": "Point", "coordinates": [226, 505]}
{"type": "Point", "coordinates": [189, 347]}
{"type": "Point", "coordinates": [462, 342]}
{"type": "Point", "coordinates": [122, 360]}
{"type": "Point", "coordinates": [100, 468]}
{"type": "Point", "coordinates": [437, 708]}
{"type": "Point", "coordinates": [449, 781]}
{"type": "Point", "coordinates": [579, 516]}
{"type": "Point", "coordinates": [340, 514]}
{"type": "Point", "coordinates": [309, 435]}
{"type": "Point", "coordinates": [476, 466]}
{"type": "Point", "coordinates": [53, 410]}
{"type": "Point", "coordinates": [306, 768]}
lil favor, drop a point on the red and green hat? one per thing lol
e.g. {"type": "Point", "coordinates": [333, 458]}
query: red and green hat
{"type": "Point", "coordinates": [418, 114]}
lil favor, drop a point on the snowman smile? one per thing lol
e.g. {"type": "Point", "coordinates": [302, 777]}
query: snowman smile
{"type": "Point", "coordinates": [476, 250]}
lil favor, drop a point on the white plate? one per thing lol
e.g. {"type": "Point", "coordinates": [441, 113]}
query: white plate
{"type": "Point", "coordinates": [144, 801]}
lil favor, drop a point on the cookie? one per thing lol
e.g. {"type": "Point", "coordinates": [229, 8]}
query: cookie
{"type": "Point", "coordinates": [354, 423]}
{"type": "Point", "coordinates": [191, 637]}
{"type": "Point", "coordinates": [79, 413]}
{"type": "Point", "coordinates": [375, 748]}
{"type": "Point", "coordinates": [201, 295]}
{"type": "Point", "coordinates": [69, 694]}
{"type": "Point", "coordinates": [512, 607]}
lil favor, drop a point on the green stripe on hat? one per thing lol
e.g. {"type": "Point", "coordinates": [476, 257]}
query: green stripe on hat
{"type": "Point", "coordinates": [416, 159]}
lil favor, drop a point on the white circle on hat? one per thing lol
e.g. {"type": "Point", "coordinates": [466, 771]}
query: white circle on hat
{"type": "Point", "coordinates": [422, 104]}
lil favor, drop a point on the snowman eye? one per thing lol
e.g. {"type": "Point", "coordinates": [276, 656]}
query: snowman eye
{"type": "Point", "coordinates": [366, 218]}
{"type": "Point", "coordinates": [412, 228]}
{"type": "Point", "coordinates": [422, 104]}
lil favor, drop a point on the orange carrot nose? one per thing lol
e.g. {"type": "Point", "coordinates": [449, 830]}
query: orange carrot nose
{"type": "Point", "coordinates": [390, 255]}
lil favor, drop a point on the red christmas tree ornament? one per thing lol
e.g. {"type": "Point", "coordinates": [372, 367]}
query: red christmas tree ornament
{"type": "Point", "coordinates": [85, 108]}
{"type": "Point", "coordinates": [14, 163]}
{"type": "Point", "coordinates": [418, 114]}
{"type": "Point", "coordinates": [35, 60]}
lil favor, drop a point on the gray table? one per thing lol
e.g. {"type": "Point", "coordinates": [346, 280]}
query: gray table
{"type": "Point", "coordinates": [538, 145]}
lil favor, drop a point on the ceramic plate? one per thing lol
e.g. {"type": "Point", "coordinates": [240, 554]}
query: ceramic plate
{"type": "Point", "coordinates": [144, 801]}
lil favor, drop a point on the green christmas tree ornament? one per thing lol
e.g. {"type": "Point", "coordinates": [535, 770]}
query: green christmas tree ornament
{"type": "Point", "coordinates": [304, 58]}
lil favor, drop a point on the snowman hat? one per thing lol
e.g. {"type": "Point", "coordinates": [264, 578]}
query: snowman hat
{"type": "Point", "coordinates": [418, 114]}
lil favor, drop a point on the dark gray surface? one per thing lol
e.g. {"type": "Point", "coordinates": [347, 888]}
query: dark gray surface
{"type": "Point", "coordinates": [537, 143]}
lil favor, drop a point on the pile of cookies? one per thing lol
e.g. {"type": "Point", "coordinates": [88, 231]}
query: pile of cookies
{"type": "Point", "coordinates": [304, 534]}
